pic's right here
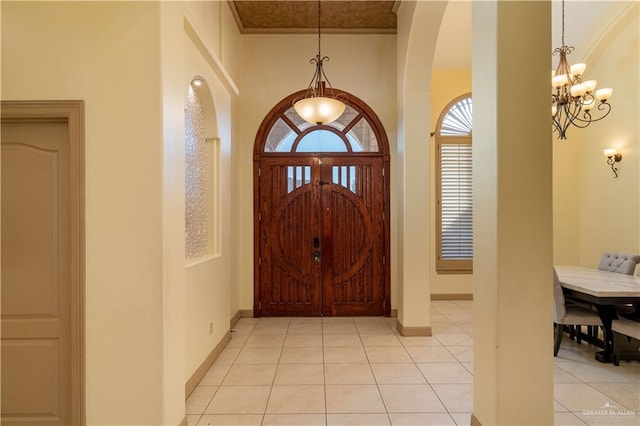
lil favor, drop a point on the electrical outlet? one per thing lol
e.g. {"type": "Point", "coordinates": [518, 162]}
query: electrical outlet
{"type": "Point", "coordinates": [211, 328]}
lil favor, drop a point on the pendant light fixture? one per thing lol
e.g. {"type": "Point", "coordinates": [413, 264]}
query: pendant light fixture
{"type": "Point", "coordinates": [320, 105]}
{"type": "Point", "coordinates": [574, 101]}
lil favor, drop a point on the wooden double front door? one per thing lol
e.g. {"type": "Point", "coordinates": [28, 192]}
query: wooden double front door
{"type": "Point", "coordinates": [321, 236]}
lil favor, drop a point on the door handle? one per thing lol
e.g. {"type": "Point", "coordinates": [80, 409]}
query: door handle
{"type": "Point", "coordinates": [316, 256]}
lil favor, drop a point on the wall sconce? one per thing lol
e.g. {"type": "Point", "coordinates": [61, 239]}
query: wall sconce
{"type": "Point", "coordinates": [613, 157]}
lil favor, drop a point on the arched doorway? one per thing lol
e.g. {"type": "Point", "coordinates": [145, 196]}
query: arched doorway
{"type": "Point", "coordinates": [321, 214]}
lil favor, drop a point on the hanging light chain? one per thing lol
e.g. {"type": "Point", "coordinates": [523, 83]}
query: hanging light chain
{"type": "Point", "coordinates": [563, 22]}
{"type": "Point", "coordinates": [320, 105]}
{"type": "Point", "coordinates": [319, 56]}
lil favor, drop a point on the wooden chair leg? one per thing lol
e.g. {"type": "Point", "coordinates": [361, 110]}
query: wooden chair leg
{"type": "Point", "coordinates": [578, 334]}
{"type": "Point", "coordinates": [558, 339]}
{"type": "Point", "coordinates": [618, 343]}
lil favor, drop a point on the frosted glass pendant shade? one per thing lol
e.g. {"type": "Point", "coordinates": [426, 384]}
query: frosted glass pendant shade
{"type": "Point", "coordinates": [319, 110]}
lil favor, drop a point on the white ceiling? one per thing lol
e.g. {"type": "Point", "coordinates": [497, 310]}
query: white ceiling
{"type": "Point", "coordinates": [454, 41]}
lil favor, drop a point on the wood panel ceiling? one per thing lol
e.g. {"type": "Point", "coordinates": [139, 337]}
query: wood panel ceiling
{"type": "Point", "coordinates": [294, 16]}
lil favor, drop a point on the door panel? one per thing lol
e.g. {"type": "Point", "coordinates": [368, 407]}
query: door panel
{"type": "Point", "coordinates": [36, 273]}
{"type": "Point", "coordinates": [321, 236]}
{"type": "Point", "coordinates": [289, 226]}
{"type": "Point", "coordinates": [352, 204]}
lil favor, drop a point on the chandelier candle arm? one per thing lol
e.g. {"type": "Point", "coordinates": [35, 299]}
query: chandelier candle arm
{"type": "Point", "coordinates": [572, 99]}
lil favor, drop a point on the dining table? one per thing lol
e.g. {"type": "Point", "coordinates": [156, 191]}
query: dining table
{"type": "Point", "coordinates": [604, 290]}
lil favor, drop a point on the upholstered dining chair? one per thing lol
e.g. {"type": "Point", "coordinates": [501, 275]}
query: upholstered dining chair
{"type": "Point", "coordinates": [621, 263]}
{"type": "Point", "coordinates": [624, 345]}
{"type": "Point", "coordinates": [569, 314]}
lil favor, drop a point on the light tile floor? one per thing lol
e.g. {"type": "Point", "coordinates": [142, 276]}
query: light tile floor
{"type": "Point", "coordinates": [359, 371]}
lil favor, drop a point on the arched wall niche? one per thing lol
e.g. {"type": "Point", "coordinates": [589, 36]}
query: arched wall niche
{"type": "Point", "coordinates": [202, 157]}
{"type": "Point", "coordinates": [204, 94]}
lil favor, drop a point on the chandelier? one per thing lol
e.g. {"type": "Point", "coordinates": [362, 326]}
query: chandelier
{"type": "Point", "coordinates": [573, 100]}
{"type": "Point", "coordinates": [320, 105]}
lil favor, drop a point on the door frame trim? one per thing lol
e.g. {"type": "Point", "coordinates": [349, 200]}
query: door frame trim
{"type": "Point", "coordinates": [71, 112]}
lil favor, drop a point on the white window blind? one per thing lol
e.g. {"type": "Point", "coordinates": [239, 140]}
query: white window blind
{"type": "Point", "coordinates": [456, 201]}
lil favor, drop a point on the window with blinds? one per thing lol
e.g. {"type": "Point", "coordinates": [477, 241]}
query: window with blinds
{"type": "Point", "coordinates": [454, 216]}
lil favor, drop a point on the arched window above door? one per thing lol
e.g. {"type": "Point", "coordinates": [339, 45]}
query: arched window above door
{"type": "Point", "coordinates": [357, 130]}
{"type": "Point", "coordinates": [351, 132]}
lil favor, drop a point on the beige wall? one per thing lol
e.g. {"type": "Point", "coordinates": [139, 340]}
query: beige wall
{"type": "Point", "coordinates": [446, 85]}
{"type": "Point", "coordinates": [274, 66]}
{"type": "Point", "coordinates": [512, 210]}
{"type": "Point", "coordinates": [593, 212]}
{"type": "Point", "coordinates": [230, 56]}
{"type": "Point", "coordinates": [609, 207]}
{"type": "Point", "coordinates": [108, 55]}
{"type": "Point", "coordinates": [209, 281]}
{"type": "Point", "coordinates": [173, 244]}
{"type": "Point", "coordinates": [418, 24]}
{"type": "Point", "coordinates": [566, 201]}
{"type": "Point", "coordinates": [147, 316]}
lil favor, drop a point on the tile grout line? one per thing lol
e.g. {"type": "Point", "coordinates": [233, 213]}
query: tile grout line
{"type": "Point", "coordinates": [324, 372]}
{"type": "Point", "coordinates": [266, 405]}
{"type": "Point", "coordinates": [224, 377]}
{"type": "Point", "coordinates": [384, 404]}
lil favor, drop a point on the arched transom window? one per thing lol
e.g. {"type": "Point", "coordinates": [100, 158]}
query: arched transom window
{"type": "Point", "coordinates": [351, 132]}
{"type": "Point", "coordinates": [458, 120]}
